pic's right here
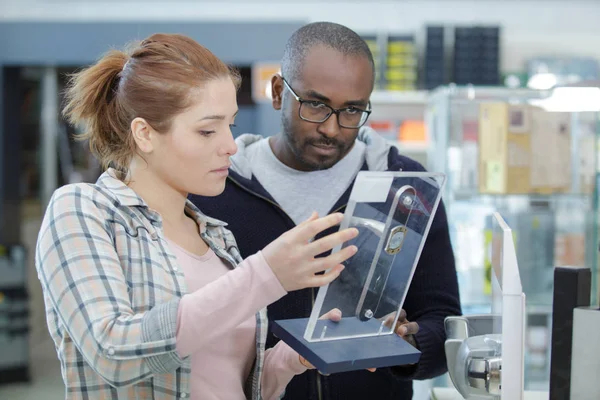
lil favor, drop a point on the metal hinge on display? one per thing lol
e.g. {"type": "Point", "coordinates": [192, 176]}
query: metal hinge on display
{"type": "Point", "coordinates": [391, 240]}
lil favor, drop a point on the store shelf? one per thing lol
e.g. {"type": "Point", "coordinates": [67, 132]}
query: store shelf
{"type": "Point", "coordinates": [474, 194]}
{"type": "Point", "coordinates": [459, 94]}
{"type": "Point", "coordinates": [417, 97]}
{"type": "Point", "coordinates": [537, 306]}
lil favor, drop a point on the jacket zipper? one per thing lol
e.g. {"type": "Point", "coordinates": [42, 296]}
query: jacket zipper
{"type": "Point", "coordinates": [312, 290]}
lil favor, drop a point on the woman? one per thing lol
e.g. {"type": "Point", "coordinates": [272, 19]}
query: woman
{"type": "Point", "coordinates": [146, 297]}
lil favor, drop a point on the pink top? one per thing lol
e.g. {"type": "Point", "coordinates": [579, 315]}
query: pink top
{"type": "Point", "coordinates": [216, 325]}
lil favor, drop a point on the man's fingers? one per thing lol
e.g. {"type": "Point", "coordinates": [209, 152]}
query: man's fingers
{"type": "Point", "coordinates": [409, 328]}
{"type": "Point", "coordinates": [412, 328]}
{"type": "Point", "coordinates": [389, 319]}
{"type": "Point", "coordinates": [371, 369]}
{"type": "Point", "coordinates": [333, 315]}
{"type": "Point", "coordinates": [402, 316]}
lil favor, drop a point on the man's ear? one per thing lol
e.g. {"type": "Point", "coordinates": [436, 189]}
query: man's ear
{"type": "Point", "coordinates": [142, 132]}
{"type": "Point", "coordinates": [277, 91]}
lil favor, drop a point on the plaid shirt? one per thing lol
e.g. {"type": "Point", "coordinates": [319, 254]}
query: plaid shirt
{"type": "Point", "coordinates": [112, 289]}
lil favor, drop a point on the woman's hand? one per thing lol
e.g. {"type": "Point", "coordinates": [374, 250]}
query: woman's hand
{"type": "Point", "coordinates": [292, 255]}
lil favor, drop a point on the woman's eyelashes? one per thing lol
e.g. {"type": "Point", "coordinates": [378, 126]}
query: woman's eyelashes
{"type": "Point", "coordinates": [210, 132]}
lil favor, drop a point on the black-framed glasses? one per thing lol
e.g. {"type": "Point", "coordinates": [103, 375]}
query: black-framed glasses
{"type": "Point", "coordinates": [318, 112]}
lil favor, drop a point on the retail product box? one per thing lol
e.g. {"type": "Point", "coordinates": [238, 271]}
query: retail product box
{"type": "Point", "coordinates": [523, 150]}
{"type": "Point", "coordinates": [569, 249]}
{"type": "Point", "coordinates": [401, 63]}
{"type": "Point", "coordinates": [385, 127]}
{"type": "Point", "coordinates": [504, 148]}
{"type": "Point", "coordinates": [574, 243]}
{"type": "Point", "coordinates": [412, 131]}
{"type": "Point", "coordinates": [435, 63]}
{"type": "Point", "coordinates": [476, 55]}
{"type": "Point", "coordinates": [550, 151]}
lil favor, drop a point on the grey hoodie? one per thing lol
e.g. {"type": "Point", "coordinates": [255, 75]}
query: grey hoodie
{"type": "Point", "coordinates": [376, 154]}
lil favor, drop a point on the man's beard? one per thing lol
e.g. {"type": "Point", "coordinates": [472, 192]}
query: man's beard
{"type": "Point", "coordinates": [297, 149]}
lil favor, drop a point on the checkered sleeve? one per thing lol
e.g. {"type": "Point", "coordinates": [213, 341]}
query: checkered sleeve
{"type": "Point", "coordinates": [83, 279]}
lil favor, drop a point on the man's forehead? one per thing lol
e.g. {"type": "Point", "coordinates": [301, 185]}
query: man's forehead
{"type": "Point", "coordinates": [347, 78]}
{"type": "Point", "coordinates": [321, 54]}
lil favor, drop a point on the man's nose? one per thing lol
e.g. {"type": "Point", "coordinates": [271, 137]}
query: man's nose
{"type": "Point", "coordinates": [330, 127]}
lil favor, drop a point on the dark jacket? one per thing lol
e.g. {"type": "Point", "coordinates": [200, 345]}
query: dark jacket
{"type": "Point", "coordinates": [256, 220]}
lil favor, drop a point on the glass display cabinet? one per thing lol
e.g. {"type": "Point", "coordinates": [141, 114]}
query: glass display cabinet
{"type": "Point", "coordinates": [530, 156]}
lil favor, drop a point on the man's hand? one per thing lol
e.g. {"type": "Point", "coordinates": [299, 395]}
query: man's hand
{"type": "Point", "coordinates": [404, 328]}
{"type": "Point", "coordinates": [334, 315]}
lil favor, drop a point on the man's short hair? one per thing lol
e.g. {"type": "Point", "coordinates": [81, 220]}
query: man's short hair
{"type": "Point", "coordinates": [336, 36]}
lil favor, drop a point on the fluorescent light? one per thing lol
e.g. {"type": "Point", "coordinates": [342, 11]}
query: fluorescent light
{"type": "Point", "coordinates": [571, 99]}
{"type": "Point", "coordinates": [543, 81]}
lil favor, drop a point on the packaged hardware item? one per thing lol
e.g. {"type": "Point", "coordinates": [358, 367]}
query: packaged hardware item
{"type": "Point", "coordinates": [504, 148]}
{"type": "Point", "coordinates": [523, 150]}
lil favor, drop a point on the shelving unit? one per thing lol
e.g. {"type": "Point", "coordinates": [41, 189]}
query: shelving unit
{"type": "Point", "coordinates": [554, 222]}
{"type": "Point", "coordinates": [391, 109]}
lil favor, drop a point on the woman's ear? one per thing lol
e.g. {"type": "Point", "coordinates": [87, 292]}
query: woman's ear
{"type": "Point", "coordinates": [142, 132]}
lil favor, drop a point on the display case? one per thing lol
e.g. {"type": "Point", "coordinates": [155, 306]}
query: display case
{"type": "Point", "coordinates": [531, 156]}
{"type": "Point", "coordinates": [393, 212]}
{"type": "Point", "coordinates": [484, 352]}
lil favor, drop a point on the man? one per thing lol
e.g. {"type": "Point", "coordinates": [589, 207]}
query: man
{"type": "Point", "coordinates": [275, 183]}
